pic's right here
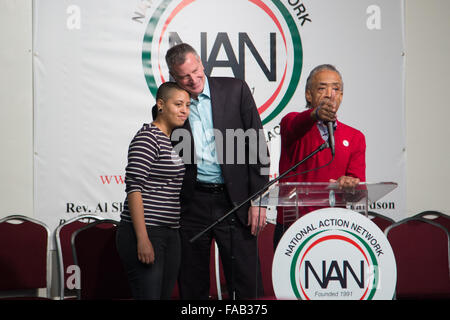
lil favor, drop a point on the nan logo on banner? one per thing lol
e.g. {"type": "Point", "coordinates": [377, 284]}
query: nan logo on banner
{"type": "Point", "coordinates": [254, 40]}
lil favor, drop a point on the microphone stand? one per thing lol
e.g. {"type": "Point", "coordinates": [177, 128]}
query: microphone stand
{"type": "Point", "coordinates": [255, 195]}
{"type": "Point", "coordinates": [259, 192]}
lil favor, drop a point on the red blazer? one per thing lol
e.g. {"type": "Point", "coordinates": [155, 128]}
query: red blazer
{"type": "Point", "coordinates": [300, 136]}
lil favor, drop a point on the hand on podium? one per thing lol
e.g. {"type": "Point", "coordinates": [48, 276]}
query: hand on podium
{"type": "Point", "coordinates": [346, 182]}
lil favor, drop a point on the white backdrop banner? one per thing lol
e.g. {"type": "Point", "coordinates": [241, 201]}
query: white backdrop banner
{"type": "Point", "coordinates": [97, 65]}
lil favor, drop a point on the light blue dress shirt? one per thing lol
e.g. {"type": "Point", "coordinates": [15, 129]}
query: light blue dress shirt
{"type": "Point", "coordinates": [200, 119]}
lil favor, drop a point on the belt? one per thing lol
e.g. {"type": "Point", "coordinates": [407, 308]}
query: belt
{"type": "Point", "coordinates": [210, 187]}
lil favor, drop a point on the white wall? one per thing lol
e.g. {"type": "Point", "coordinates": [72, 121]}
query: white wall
{"type": "Point", "coordinates": [427, 106]}
{"type": "Point", "coordinates": [16, 108]}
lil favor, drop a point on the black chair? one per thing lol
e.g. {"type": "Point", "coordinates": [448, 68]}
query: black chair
{"type": "Point", "coordinates": [95, 253]}
{"type": "Point", "coordinates": [24, 258]}
{"type": "Point", "coordinates": [66, 266]}
{"type": "Point", "coordinates": [421, 250]}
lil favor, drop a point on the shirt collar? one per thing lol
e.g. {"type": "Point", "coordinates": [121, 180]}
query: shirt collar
{"type": "Point", "coordinates": [322, 124]}
{"type": "Point", "coordinates": [205, 93]}
{"type": "Point", "coordinates": [323, 129]}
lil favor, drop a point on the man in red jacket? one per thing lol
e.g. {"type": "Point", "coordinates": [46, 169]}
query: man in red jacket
{"type": "Point", "coordinates": [303, 132]}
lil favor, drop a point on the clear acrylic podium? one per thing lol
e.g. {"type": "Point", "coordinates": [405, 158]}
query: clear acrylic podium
{"type": "Point", "coordinates": [294, 195]}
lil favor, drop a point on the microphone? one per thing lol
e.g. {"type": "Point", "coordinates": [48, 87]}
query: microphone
{"type": "Point", "coordinates": [330, 126]}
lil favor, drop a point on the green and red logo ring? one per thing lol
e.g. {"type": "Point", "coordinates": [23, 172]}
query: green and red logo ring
{"type": "Point", "coordinates": [154, 21]}
{"type": "Point", "coordinates": [313, 240]}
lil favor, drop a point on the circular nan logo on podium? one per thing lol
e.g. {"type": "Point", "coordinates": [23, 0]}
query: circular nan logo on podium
{"type": "Point", "coordinates": [334, 253]}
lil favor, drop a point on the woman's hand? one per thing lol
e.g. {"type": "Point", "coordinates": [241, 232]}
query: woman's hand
{"type": "Point", "coordinates": [145, 251]}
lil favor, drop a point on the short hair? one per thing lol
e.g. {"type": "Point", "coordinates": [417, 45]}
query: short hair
{"type": "Point", "coordinates": [164, 91]}
{"type": "Point", "coordinates": [177, 54]}
{"type": "Point", "coordinates": [317, 69]}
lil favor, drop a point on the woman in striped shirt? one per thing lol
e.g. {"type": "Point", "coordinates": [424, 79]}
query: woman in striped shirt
{"type": "Point", "coordinates": [148, 240]}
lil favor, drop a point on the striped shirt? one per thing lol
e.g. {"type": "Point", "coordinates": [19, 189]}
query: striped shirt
{"type": "Point", "coordinates": [155, 170]}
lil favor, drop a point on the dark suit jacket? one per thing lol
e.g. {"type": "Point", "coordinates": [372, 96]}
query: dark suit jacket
{"type": "Point", "coordinates": [233, 107]}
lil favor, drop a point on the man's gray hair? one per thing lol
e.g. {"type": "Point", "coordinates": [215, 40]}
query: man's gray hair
{"type": "Point", "coordinates": [317, 69]}
{"type": "Point", "coordinates": [177, 54]}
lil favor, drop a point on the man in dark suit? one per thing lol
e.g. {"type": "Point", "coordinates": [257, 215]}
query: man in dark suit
{"type": "Point", "coordinates": [229, 162]}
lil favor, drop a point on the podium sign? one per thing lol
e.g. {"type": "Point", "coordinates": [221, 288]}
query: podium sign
{"type": "Point", "coordinates": [334, 253]}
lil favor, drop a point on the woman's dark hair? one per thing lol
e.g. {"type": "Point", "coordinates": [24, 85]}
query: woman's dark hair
{"type": "Point", "coordinates": [154, 112]}
{"type": "Point", "coordinates": [163, 93]}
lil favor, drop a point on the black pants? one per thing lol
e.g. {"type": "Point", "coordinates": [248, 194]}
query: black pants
{"type": "Point", "coordinates": [154, 281]}
{"type": "Point", "coordinates": [233, 239]}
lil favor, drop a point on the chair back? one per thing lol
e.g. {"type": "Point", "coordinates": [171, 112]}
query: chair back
{"type": "Point", "coordinates": [217, 283]}
{"type": "Point", "coordinates": [435, 216]}
{"type": "Point", "coordinates": [421, 250]}
{"type": "Point", "coordinates": [24, 254]}
{"type": "Point", "coordinates": [266, 253]}
{"type": "Point", "coordinates": [95, 253]}
{"type": "Point", "coordinates": [63, 234]}
{"type": "Point", "coordinates": [380, 220]}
